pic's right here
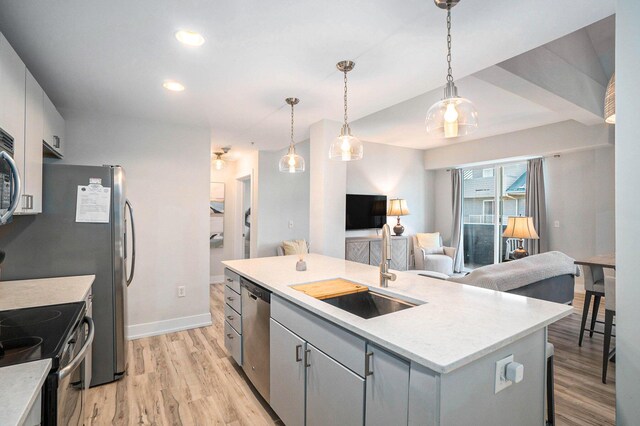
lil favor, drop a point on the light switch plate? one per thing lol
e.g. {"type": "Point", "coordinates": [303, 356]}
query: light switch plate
{"type": "Point", "coordinates": [556, 224]}
{"type": "Point", "coordinates": [501, 380]}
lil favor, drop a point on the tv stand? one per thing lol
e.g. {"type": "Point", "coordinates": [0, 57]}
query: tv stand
{"type": "Point", "coordinates": [368, 250]}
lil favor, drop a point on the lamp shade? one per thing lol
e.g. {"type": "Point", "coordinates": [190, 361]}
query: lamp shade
{"type": "Point", "coordinates": [291, 162]}
{"type": "Point", "coordinates": [520, 227]}
{"type": "Point", "coordinates": [610, 101]}
{"type": "Point", "coordinates": [219, 163]}
{"type": "Point", "coordinates": [452, 117]}
{"type": "Point", "coordinates": [398, 207]}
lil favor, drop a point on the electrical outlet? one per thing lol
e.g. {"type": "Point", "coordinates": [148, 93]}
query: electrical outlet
{"type": "Point", "coordinates": [501, 378]}
{"type": "Point", "coordinates": [182, 291]}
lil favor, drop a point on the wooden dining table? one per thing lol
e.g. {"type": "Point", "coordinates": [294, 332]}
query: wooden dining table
{"type": "Point", "coordinates": [602, 260]}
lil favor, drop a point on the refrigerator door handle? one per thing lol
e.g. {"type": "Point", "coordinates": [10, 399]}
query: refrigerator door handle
{"type": "Point", "coordinates": [129, 278]}
{"type": "Point", "coordinates": [17, 187]}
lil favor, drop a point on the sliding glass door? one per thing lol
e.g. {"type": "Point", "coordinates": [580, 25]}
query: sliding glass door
{"type": "Point", "coordinates": [490, 195]}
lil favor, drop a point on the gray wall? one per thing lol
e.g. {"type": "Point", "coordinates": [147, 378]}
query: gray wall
{"type": "Point", "coordinates": [442, 202]}
{"type": "Point", "coordinates": [282, 197]}
{"type": "Point", "coordinates": [397, 173]}
{"type": "Point", "coordinates": [544, 140]}
{"type": "Point", "coordinates": [167, 169]}
{"type": "Point", "coordinates": [580, 196]}
{"type": "Point", "coordinates": [628, 221]}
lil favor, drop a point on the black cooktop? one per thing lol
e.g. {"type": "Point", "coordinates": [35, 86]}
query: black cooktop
{"type": "Point", "coordinates": [41, 332]}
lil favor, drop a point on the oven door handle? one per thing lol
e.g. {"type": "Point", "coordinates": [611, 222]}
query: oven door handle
{"type": "Point", "coordinates": [17, 187]}
{"type": "Point", "coordinates": [64, 372]}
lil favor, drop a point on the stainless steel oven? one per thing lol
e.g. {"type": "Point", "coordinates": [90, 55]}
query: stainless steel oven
{"type": "Point", "coordinates": [67, 386]}
{"type": "Point", "coordinates": [9, 179]}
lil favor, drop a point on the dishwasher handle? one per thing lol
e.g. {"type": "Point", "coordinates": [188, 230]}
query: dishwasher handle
{"type": "Point", "coordinates": [255, 292]}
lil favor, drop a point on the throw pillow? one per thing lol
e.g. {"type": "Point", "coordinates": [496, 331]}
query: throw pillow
{"type": "Point", "coordinates": [295, 247]}
{"type": "Point", "coordinates": [430, 243]}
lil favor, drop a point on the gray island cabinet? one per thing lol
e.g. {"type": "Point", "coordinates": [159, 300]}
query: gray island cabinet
{"type": "Point", "coordinates": [434, 364]}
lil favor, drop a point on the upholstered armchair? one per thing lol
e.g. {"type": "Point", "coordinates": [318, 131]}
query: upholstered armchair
{"type": "Point", "coordinates": [428, 258]}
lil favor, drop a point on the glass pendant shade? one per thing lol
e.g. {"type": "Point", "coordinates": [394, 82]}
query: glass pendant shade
{"type": "Point", "coordinates": [610, 101]}
{"type": "Point", "coordinates": [219, 163]}
{"type": "Point", "coordinates": [346, 147]}
{"type": "Point", "coordinates": [291, 162]}
{"type": "Point", "coordinates": [452, 117]}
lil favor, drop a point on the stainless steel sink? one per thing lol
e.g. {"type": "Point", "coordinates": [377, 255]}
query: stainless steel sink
{"type": "Point", "coordinates": [367, 304]}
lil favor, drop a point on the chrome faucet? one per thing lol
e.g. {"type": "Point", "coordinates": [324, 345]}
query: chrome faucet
{"type": "Point", "coordinates": [385, 275]}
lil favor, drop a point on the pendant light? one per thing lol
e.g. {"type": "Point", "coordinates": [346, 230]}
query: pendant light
{"type": "Point", "coordinates": [610, 101]}
{"type": "Point", "coordinates": [291, 162]}
{"type": "Point", "coordinates": [346, 147]}
{"type": "Point", "coordinates": [219, 163]}
{"type": "Point", "coordinates": [452, 116]}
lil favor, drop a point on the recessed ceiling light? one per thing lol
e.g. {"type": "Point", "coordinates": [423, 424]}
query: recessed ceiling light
{"type": "Point", "coordinates": [190, 38]}
{"type": "Point", "coordinates": [173, 85]}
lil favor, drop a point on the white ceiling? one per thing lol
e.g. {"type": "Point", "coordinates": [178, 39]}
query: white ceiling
{"type": "Point", "coordinates": [507, 102]}
{"type": "Point", "coordinates": [500, 111]}
{"type": "Point", "coordinates": [112, 56]}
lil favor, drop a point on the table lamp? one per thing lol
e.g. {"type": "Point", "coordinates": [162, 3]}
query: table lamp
{"type": "Point", "coordinates": [398, 207]}
{"type": "Point", "coordinates": [522, 228]}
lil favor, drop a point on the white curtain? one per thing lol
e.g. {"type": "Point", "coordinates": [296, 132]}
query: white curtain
{"type": "Point", "coordinates": [536, 206]}
{"type": "Point", "coordinates": [457, 234]}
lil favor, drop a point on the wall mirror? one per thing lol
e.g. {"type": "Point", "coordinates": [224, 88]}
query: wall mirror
{"type": "Point", "coordinates": [216, 214]}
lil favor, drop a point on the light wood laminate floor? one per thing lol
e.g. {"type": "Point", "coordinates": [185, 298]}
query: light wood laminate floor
{"type": "Point", "coordinates": [186, 378]}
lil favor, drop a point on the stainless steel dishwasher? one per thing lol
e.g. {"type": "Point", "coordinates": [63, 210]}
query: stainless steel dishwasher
{"type": "Point", "coordinates": [256, 311]}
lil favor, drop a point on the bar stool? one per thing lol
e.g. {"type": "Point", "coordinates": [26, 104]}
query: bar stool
{"type": "Point", "coordinates": [609, 313]}
{"type": "Point", "coordinates": [594, 287]}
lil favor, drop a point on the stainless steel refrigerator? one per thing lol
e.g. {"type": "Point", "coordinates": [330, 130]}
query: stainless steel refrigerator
{"type": "Point", "coordinates": [54, 244]}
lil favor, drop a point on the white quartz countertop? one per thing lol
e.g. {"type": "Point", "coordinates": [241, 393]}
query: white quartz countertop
{"type": "Point", "coordinates": [457, 325]}
{"type": "Point", "coordinates": [20, 386]}
{"type": "Point", "coordinates": [44, 291]}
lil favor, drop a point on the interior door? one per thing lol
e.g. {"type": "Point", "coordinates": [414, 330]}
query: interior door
{"type": "Point", "coordinates": [335, 395]}
{"type": "Point", "coordinates": [287, 375]}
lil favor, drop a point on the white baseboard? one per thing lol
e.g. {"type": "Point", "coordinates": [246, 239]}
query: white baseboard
{"type": "Point", "coordinates": [138, 331]}
{"type": "Point", "coordinates": [216, 279]}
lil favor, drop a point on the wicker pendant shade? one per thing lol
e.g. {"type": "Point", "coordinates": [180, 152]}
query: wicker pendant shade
{"type": "Point", "coordinates": [610, 101]}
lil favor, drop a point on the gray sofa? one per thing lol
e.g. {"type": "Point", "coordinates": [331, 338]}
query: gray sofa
{"type": "Point", "coordinates": [547, 276]}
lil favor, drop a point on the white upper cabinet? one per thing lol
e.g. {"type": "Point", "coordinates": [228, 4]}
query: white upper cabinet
{"type": "Point", "coordinates": [34, 125]}
{"type": "Point", "coordinates": [29, 116]}
{"type": "Point", "coordinates": [53, 127]}
{"type": "Point", "coordinates": [12, 92]}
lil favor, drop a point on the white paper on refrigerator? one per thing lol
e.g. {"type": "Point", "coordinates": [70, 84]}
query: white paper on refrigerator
{"type": "Point", "coordinates": [93, 204]}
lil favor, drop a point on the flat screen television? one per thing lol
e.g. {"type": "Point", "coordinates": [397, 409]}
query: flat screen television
{"type": "Point", "coordinates": [366, 211]}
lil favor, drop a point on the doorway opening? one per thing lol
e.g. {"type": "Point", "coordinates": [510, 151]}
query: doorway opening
{"type": "Point", "coordinates": [244, 189]}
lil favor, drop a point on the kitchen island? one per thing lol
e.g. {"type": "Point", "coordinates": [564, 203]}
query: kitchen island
{"type": "Point", "coordinates": [434, 363]}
